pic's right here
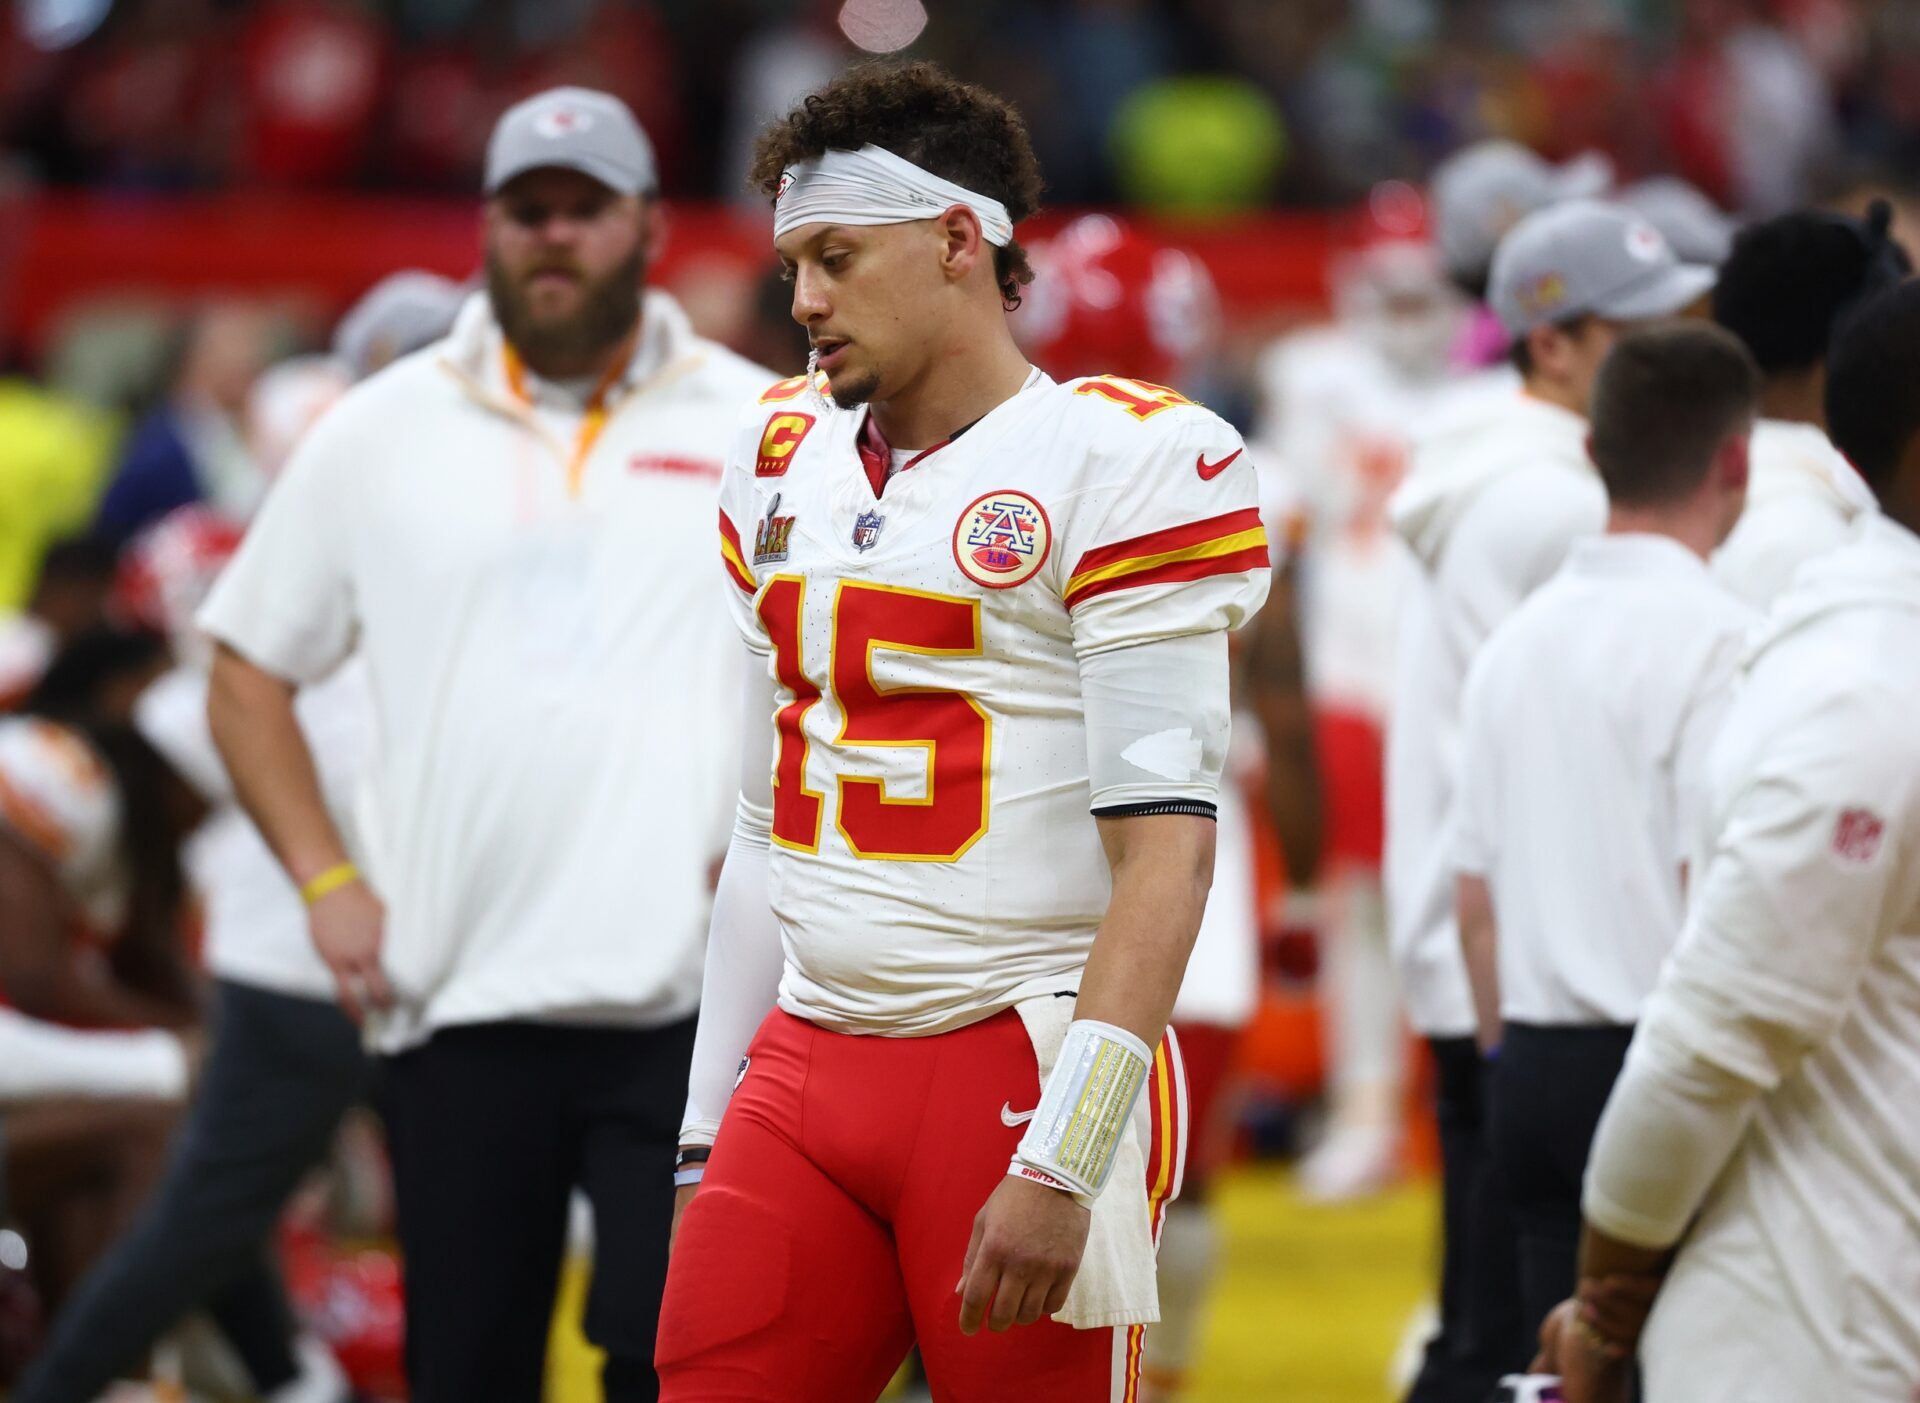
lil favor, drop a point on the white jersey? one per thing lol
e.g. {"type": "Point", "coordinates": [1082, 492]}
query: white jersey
{"type": "Point", "coordinates": [58, 797]}
{"type": "Point", "coordinates": [933, 857]}
{"type": "Point", "coordinates": [1338, 424]}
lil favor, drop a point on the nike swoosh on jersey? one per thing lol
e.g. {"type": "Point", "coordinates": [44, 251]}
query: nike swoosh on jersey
{"type": "Point", "coordinates": [1209, 471]}
{"type": "Point", "coordinates": [1009, 1116]}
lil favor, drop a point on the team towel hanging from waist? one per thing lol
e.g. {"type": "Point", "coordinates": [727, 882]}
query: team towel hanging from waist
{"type": "Point", "coordinates": [1117, 1283]}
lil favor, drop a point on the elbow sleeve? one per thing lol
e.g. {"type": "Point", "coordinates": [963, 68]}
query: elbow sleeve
{"type": "Point", "coordinates": [1158, 720]}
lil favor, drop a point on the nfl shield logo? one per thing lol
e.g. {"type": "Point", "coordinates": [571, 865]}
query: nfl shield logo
{"type": "Point", "coordinates": [866, 530]}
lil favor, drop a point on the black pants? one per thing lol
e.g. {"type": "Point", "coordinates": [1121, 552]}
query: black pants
{"type": "Point", "coordinates": [1549, 1088]}
{"type": "Point", "coordinates": [281, 1073]}
{"type": "Point", "coordinates": [492, 1126]}
{"type": "Point", "coordinates": [1483, 1333]}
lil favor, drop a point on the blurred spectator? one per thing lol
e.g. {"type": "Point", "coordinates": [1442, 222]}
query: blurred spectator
{"type": "Point", "coordinates": [398, 315]}
{"type": "Point", "coordinates": [310, 90]}
{"type": "Point", "coordinates": [771, 336]}
{"type": "Point", "coordinates": [53, 455]}
{"type": "Point", "coordinates": [1198, 145]}
{"type": "Point", "coordinates": [189, 448]}
{"type": "Point", "coordinates": [69, 599]}
{"type": "Point", "coordinates": [775, 68]}
{"type": "Point", "coordinates": [284, 403]}
{"type": "Point", "coordinates": [1746, 98]}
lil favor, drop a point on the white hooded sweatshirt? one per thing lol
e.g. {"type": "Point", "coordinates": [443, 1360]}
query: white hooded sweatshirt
{"type": "Point", "coordinates": [1773, 1087]}
{"type": "Point", "coordinates": [1500, 489]}
{"type": "Point", "coordinates": [1802, 499]}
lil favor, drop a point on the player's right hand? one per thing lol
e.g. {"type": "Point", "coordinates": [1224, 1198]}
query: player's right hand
{"type": "Point", "coordinates": [682, 1196]}
{"type": "Point", "coordinates": [1026, 1249]}
{"type": "Point", "coordinates": [348, 927]}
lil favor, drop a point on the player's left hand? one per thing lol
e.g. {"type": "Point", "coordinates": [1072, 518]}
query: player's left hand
{"type": "Point", "coordinates": [1026, 1248]}
{"type": "Point", "coordinates": [1591, 1370]}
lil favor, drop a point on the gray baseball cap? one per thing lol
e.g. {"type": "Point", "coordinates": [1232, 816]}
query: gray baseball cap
{"type": "Point", "coordinates": [1698, 229]}
{"type": "Point", "coordinates": [576, 128]}
{"type": "Point", "coordinates": [1483, 190]}
{"type": "Point", "coordinates": [1588, 258]}
{"type": "Point", "coordinates": [398, 315]}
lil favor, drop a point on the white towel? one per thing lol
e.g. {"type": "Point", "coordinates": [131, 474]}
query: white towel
{"type": "Point", "coordinates": [1117, 1283]}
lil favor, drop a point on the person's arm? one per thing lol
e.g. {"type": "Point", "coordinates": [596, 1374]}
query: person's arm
{"type": "Point", "coordinates": [1479, 943]}
{"type": "Point", "coordinates": [40, 1060]}
{"type": "Point", "coordinates": [744, 954]}
{"type": "Point", "coordinates": [250, 712]}
{"type": "Point", "coordinates": [38, 968]}
{"type": "Point", "coordinates": [1157, 729]}
{"type": "Point", "coordinates": [1277, 680]}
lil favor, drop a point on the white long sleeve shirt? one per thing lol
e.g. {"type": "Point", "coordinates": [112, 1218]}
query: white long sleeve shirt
{"type": "Point", "coordinates": [1774, 1085]}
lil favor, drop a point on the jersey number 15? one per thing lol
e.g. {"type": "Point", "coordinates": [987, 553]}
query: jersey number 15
{"type": "Point", "coordinates": [949, 726]}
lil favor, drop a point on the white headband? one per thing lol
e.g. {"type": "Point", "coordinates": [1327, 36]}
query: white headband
{"type": "Point", "coordinates": [874, 186]}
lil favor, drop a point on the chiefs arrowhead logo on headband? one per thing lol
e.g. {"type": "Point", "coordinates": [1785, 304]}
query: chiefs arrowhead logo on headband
{"type": "Point", "coordinates": [786, 184]}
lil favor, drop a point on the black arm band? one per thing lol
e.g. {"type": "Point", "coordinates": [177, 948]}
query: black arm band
{"type": "Point", "coordinates": [693, 1154]}
{"type": "Point", "coordinates": [1199, 808]}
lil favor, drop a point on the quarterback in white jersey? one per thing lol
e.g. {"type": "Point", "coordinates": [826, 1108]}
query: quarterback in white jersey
{"type": "Point", "coordinates": [976, 823]}
{"type": "Point", "coordinates": [1118, 519]}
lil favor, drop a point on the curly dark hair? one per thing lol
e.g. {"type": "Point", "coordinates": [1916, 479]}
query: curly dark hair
{"type": "Point", "coordinates": [923, 114]}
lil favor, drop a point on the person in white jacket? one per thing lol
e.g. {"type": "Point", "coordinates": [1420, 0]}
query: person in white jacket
{"type": "Point", "coordinates": [1495, 497]}
{"type": "Point", "coordinates": [1753, 1174]}
{"type": "Point", "coordinates": [1787, 286]}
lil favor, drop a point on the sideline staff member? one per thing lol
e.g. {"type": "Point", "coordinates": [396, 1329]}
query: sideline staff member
{"type": "Point", "coordinates": [1584, 733]}
{"type": "Point", "coordinates": [1496, 496]}
{"type": "Point", "coordinates": [1756, 1162]}
{"type": "Point", "coordinates": [514, 527]}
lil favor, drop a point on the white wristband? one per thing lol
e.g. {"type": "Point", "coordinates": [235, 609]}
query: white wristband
{"type": "Point", "coordinates": [692, 1174]}
{"type": "Point", "coordinates": [1089, 1098]}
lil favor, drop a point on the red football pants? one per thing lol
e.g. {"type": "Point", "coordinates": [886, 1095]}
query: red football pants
{"type": "Point", "coordinates": [830, 1229]}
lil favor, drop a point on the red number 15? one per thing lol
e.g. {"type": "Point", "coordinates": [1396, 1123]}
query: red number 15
{"type": "Point", "coordinates": [948, 725]}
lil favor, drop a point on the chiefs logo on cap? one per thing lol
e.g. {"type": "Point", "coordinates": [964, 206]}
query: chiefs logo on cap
{"type": "Point", "coordinates": [782, 436]}
{"type": "Point", "coordinates": [1644, 243]}
{"type": "Point", "coordinates": [561, 121]}
{"type": "Point", "coordinates": [1002, 540]}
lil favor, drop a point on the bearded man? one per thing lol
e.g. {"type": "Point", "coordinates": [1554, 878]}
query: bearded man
{"type": "Point", "coordinates": [512, 527]}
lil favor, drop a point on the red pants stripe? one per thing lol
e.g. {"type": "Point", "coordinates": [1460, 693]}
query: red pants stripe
{"type": "Point", "coordinates": [828, 1235]}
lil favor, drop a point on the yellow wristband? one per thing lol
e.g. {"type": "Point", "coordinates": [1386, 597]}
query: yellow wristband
{"type": "Point", "coordinates": [329, 881]}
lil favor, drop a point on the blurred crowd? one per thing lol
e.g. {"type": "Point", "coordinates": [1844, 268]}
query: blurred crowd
{"type": "Point", "coordinates": [1758, 102]}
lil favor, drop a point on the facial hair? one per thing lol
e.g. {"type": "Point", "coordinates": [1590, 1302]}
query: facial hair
{"type": "Point", "coordinates": [848, 392]}
{"type": "Point", "coordinates": [561, 346]}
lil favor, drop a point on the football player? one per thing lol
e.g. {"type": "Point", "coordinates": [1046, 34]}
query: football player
{"type": "Point", "coordinates": [977, 820]}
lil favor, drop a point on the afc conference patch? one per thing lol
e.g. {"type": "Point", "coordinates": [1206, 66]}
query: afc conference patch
{"type": "Point", "coordinates": [1857, 834]}
{"type": "Point", "coordinates": [1002, 540]}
